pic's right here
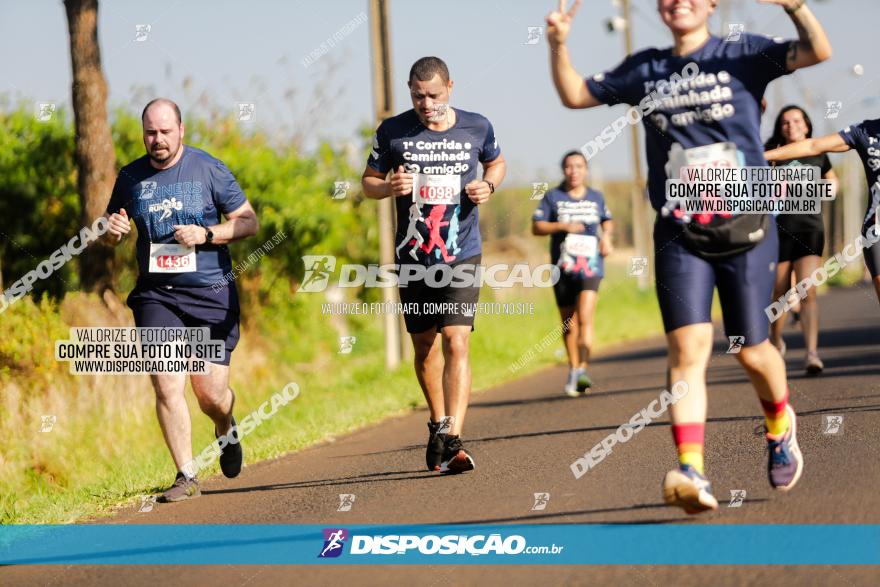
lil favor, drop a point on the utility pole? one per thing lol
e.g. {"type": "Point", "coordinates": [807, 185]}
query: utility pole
{"type": "Point", "coordinates": [641, 238]}
{"type": "Point", "coordinates": [384, 102]}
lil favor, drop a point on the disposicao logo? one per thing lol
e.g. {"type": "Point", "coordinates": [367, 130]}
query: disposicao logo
{"type": "Point", "coordinates": [334, 540]}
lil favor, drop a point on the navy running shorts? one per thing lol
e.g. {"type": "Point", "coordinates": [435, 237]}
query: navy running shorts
{"type": "Point", "coordinates": [568, 288]}
{"type": "Point", "coordinates": [189, 307]}
{"type": "Point", "coordinates": [685, 284]}
{"type": "Point", "coordinates": [427, 307]}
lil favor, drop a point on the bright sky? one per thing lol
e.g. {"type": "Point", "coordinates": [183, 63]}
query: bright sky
{"type": "Point", "coordinates": [253, 52]}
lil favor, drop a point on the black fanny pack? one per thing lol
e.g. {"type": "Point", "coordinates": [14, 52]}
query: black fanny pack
{"type": "Point", "coordinates": [726, 237]}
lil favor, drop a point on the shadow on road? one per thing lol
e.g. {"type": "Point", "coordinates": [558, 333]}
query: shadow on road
{"type": "Point", "coordinates": [854, 336]}
{"type": "Point", "coordinates": [642, 506]}
{"type": "Point", "coordinates": [367, 478]}
{"type": "Point", "coordinates": [759, 418]}
{"type": "Point", "coordinates": [649, 353]}
{"type": "Point", "coordinates": [559, 397]}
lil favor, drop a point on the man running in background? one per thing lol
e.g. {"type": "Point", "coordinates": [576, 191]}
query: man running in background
{"type": "Point", "coordinates": [178, 294]}
{"type": "Point", "coordinates": [436, 150]}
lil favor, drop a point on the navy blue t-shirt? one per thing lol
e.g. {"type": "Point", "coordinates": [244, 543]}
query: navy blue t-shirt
{"type": "Point", "coordinates": [557, 205]}
{"type": "Point", "coordinates": [438, 224]}
{"type": "Point", "coordinates": [196, 190]}
{"type": "Point", "coordinates": [865, 139]}
{"type": "Point", "coordinates": [721, 104]}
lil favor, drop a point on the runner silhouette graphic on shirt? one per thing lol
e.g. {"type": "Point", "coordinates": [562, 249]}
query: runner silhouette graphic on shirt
{"type": "Point", "coordinates": [582, 265]}
{"type": "Point", "coordinates": [435, 223]}
{"type": "Point", "coordinates": [452, 241]}
{"type": "Point", "coordinates": [574, 264]}
{"type": "Point", "coordinates": [413, 236]}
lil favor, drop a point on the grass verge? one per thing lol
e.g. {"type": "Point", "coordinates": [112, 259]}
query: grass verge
{"type": "Point", "coordinates": [105, 448]}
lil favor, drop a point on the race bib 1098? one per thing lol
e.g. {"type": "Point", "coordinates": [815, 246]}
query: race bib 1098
{"type": "Point", "coordinates": [436, 189]}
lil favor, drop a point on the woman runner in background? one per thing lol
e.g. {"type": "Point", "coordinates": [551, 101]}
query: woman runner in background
{"type": "Point", "coordinates": [801, 238]}
{"type": "Point", "coordinates": [864, 137]}
{"type": "Point", "coordinates": [572, 214]}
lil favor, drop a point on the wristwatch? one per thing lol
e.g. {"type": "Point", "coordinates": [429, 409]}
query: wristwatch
{"type": "Point", "coordinates": [491, 186]}
{"type": "Point", "coordinates": [209, 236]}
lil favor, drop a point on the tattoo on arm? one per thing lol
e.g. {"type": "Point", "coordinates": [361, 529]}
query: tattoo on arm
{"type": "Point", "coordinates": [806, 36]}
{"type": "Point", "coordinates": [791, 58]}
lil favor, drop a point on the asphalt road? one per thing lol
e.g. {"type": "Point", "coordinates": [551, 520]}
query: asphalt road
{"type": "Point", "coordinates": [524, 436]}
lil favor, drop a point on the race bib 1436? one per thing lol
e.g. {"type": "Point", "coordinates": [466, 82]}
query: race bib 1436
{"type": "Point", "coordinates": [172, 258]}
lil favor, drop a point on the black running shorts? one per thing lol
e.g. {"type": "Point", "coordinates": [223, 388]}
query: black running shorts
{"type": "Point", "coordinates": [426, 307]}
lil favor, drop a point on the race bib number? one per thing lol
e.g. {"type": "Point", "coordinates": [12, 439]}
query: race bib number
{"type": "Point", "coordinates": [714, 155]}
{"type": "Point", "coordinates": [436, 189]}
{"type": "Point", "coordinates": [172, 258]}
{"type": "Point", "coordinates": [725, 155]}
{"type": "Point", "coordinates": [581, 245]}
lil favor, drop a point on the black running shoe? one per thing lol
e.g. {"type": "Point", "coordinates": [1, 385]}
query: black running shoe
{"type": "Point", "coordinates": [455, 458]}
{"type": "Point", "coordinates": [232, 455]}
{"type": "Point", "coordinates": [184, 488]}
{"type": "Point", "coordinates": [434, 452]}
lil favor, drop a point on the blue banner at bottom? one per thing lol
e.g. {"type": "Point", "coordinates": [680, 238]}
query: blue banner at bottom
{"type": "Point", "coordinates": [539, 544]}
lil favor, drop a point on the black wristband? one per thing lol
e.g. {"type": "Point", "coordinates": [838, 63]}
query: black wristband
{"type": "Point", "coordinates": [491, 186]}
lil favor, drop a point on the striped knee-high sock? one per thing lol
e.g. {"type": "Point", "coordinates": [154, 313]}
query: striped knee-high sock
{"type": "Point", "coordinates": [776, 416]}
{"type": "Point", "coordinates": [689, 443]}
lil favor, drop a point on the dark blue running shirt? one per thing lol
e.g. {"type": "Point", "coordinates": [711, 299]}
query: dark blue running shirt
{"type": "Point", "coordinates": [443, 226]}
{"type": "Point", "coordinates": [721, 104]}
{"type": "Point", "coordinates": [196, 190]}
{"type": "Point", "coordinates": [557, 205]}
{"type": "Point", "coordinates": [865, 139]}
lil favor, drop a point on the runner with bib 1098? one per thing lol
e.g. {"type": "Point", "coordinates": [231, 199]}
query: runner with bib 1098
{"type": "Point", "coordinates": [699, 101]}
{"type": "Point", "coordinates": [176, 194]}
{"type": "Point", "coordinates": [427, 159]}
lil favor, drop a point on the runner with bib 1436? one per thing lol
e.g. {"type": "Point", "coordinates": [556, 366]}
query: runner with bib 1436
{"type": "Point", "coordinates": [175, 195]}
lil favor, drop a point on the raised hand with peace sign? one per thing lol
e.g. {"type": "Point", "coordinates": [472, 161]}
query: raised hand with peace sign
{"type": "Point", "coordinates": [559, 22]}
